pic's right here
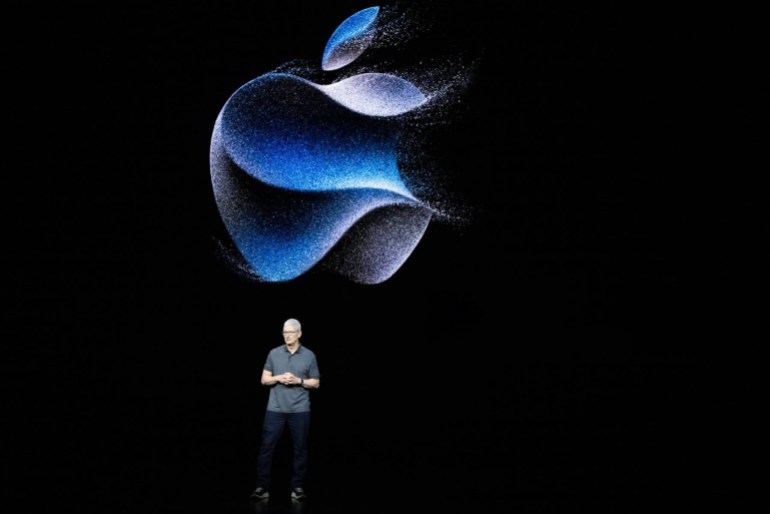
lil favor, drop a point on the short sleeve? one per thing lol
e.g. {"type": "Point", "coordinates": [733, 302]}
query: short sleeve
{"type": "Point", "coordinates": [313, 371]}
{"type": "Point", "coordinates": [269, 362]}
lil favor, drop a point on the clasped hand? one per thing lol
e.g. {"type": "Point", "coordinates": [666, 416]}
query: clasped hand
{"type": "Point", "coordinates": [289, 379]}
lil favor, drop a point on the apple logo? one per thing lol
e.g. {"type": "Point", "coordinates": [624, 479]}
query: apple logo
{"type": "Point", "coordinates": [306, 174]}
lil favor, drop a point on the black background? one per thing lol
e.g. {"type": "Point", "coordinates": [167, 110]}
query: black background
{"type": "Point", "coordinates": [539, 358]}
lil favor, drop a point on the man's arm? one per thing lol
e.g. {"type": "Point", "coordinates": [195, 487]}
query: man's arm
{"type": "Point", "coordinates": [287, 378]}
{"type": "Point", "coordinates": [269, 379]}
{"type": "Point", "coordinates": [311, 383]}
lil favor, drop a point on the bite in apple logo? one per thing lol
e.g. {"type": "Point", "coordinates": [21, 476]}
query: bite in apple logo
{"type": "Point", "coordinates": [305, 174]}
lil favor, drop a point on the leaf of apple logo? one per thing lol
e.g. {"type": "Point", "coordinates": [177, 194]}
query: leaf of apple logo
{"type": "Point", "coordinates": [306, 174]}
{"type": "Point", "coordinates": [351, 38]}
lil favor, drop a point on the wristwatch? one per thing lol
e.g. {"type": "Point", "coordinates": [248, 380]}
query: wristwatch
{"type": "Point", "coordinates": [302, 382]}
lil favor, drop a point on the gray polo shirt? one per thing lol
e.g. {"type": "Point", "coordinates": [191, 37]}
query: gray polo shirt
{"type": "Point", "coordinates": [291, 398]}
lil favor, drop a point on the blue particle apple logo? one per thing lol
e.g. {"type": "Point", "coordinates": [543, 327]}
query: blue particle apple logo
{"type": "Point", "coordinates": [306, 175]}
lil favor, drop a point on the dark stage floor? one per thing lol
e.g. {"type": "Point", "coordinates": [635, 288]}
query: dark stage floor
{"type": "Point", "coordinates": [564, 438]}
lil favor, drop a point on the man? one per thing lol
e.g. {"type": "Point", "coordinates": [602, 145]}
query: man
{"type": "Point", "coordinates": [291, 371]}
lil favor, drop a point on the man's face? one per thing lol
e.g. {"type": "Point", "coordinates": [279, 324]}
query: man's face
{"type": "Point", "coordinates": [290, 335]}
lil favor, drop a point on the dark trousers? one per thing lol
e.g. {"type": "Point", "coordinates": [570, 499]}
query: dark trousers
{"type": "Point", "coordinates": [272, 428]}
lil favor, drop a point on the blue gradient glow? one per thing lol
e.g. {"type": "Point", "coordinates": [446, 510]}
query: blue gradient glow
{"type": "Point", "coordinates": [307, 174]}
{"type": "Point", "coordinates": [320, 148]}
{"type": "Point", "coordinates": [283, 233]}
{"type": "Point", "coordinates": [350, 39]}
